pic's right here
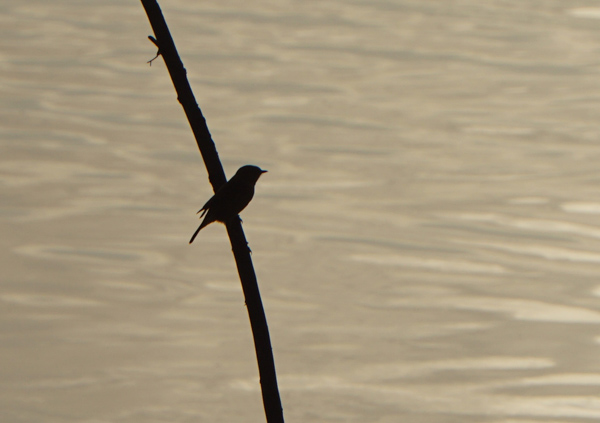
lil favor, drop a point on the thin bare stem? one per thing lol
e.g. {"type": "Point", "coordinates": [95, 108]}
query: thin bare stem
{"type": "Point", "coordinates": [216, 175]}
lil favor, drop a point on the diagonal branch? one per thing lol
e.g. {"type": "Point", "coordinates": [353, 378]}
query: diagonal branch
{"type": "Point", "coordinates": [216, 176]}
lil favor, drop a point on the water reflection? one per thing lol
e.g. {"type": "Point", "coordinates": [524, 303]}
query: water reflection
{"type": "Point", "coordinates": [426, 242]}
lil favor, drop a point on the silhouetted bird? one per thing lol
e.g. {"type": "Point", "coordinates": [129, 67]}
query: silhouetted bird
{"type": "Point", "coordinates": [231, 198]}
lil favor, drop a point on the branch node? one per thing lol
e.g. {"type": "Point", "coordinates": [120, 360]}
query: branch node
{"type": "Point", "coordinates": [158, 53]}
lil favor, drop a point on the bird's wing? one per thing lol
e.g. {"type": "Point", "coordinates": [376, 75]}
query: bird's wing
{"type": "Point", "coordinates": [216, 200]}
{"type": "Point", "coordinates": [206, 206]}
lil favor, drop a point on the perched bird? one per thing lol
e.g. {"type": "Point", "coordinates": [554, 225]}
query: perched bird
{"type": "Point", "coordinates": [231, 198]}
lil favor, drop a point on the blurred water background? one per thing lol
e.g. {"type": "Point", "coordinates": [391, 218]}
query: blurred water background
{"type": "Point", "coordinates": [427, 239]}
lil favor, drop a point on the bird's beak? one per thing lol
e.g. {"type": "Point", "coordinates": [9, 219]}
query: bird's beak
{"type": "Point", "coordinates": [263, 171]}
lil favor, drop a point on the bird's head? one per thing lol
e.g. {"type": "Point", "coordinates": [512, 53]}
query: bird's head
{"type": "Point", "coordinates": [249, 173]}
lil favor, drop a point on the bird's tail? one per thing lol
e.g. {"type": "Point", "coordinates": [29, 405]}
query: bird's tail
{"type": "Point", "coordinates": [195, 233]}
{"type": "Point", "coordinates": [203, 224]}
